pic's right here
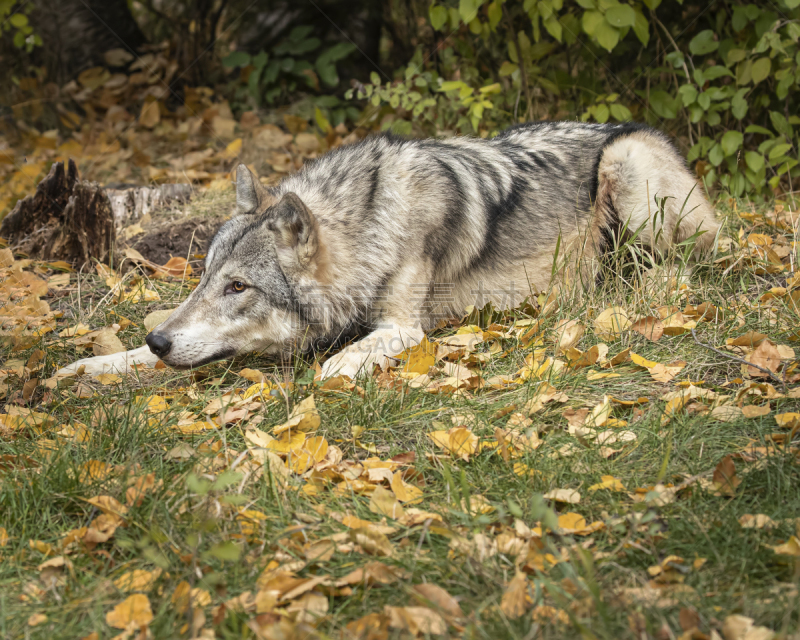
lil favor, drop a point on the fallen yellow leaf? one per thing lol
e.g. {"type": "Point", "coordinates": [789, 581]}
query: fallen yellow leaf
{"type": "Point", "coordinates": [608, 482]}
{"type": "Point", "coordinates": [611, 322]}
{"type": "Point", "coordinates": [134, 610]}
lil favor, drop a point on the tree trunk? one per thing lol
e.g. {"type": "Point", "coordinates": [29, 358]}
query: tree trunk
{"type": "Point", "coordinates": [66, 219]}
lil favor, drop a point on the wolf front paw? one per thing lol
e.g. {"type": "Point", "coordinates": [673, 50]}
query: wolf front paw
{"type": "Point", "coordinates": [112, 363]}
{"type": "Point", "coordinates": [351, 363]}
{"type": "Point", "coordinates": [379, 348]}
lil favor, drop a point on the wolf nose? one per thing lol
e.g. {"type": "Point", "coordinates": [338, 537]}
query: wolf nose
{"type": "Point", "coordinates": [158, 344]}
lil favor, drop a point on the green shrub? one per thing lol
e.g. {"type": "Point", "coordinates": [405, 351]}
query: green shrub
{"type": "Point", "coordinates": [14, 21]}
{"type": "Point", "coordinates": [722, 77]}
{"type": "Point", "coordinates": [274, 75]}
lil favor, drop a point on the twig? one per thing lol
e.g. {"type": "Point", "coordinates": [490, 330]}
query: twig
{"type": "Point", "coordinates": [771, 374]}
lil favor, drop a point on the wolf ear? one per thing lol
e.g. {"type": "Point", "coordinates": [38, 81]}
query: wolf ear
{"type": "Point", "coordinates": [251, 195]}
{"type": "Point", "coordinates": [296, 231]}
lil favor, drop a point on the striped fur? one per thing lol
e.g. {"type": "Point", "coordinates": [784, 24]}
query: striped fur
{"type": "Point", "coordinates": [385, 237]}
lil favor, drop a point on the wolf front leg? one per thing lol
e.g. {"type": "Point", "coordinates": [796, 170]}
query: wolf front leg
{"type": "Point", "coordinates": [376, 348]}
{"type": "Point", "coordinates": [113, 363]}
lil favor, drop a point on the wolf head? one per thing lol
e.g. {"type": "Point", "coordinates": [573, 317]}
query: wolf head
{"type": "Point", "coordinates": [246, 299]}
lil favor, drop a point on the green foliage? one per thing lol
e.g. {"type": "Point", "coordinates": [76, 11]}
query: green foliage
{"type": "Point", "coordinates": [426, 95]}
{"type": "Point", "coordinates": [14, 20]}
{"type": "Point", "coordinates": [722, 78]}
{"type": "Point", "coordinates": [273, 75]}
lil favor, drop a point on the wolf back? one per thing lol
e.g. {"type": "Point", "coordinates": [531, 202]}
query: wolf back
{"type": "Point", "coordinates": [468, 212]}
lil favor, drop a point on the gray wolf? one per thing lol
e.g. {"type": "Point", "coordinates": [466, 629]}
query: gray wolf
{"type": "Point", "coordinates": [383, 238]}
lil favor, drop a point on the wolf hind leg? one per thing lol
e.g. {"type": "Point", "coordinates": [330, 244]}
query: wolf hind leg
{"type": "Point", "coordinates": [655, 197]}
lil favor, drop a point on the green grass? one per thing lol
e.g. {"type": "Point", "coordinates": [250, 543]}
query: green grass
{"type": "Point", "coordinates": [193, 535]}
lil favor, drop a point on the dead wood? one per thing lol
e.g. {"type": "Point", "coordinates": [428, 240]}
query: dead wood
{"type": "Point", "coordinates": [66, 219]}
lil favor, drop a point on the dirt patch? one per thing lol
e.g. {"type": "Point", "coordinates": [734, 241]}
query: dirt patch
{"type": "Point", "coordinates": [183, 231]}
{"type": "Point", "coordinates": [189, 238]}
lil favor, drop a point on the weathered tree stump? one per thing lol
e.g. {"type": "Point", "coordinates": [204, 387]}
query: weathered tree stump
{"type": "Point", "coordinates": [66, 219]}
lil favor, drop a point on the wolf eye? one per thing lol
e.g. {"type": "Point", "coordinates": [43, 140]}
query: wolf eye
{"type": "Point", "coordinates": [237, 287]}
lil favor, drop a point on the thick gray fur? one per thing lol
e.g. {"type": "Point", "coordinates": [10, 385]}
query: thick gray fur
{"type": "Point", "coordinates": [385, 237]}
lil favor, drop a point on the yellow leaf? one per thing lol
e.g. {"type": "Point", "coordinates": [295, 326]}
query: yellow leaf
{"type": "Point", "coordinates": [459, 441]}
{"type": "Point", "coordinates": [108, 378]}
{"type": "Point", "coordinates": [300, 461]}
{"type": "Point", "coordinates": [462, 441]}
{"type": "Point", "coordinates": [650, 327]}
{"type": "Point", "coordinates": [233, 150]}
{"type": "Point", "coordinates": [261, 389]}
{"type": "Point", "coordinates": [608, 482]}
{"type": "Point", "coordinates": [132, 231]}
{"type": "Point", "coordinates": [788, 420]}
{"type": "Point", "coordinates": [599, 375]}
{"type": "Point", "coordinates": [416, 621]}
{"type": "Point", "coordinates": [353, 522]}
{"type": "Point", "coordinates": [385, 503]}
{"type": "Point", "coordinates": [788, 548]}
{"type": "Point", "coordinates": [674, 406]}
{"type": "Point", "coordinates": [571, 523]}
{"type": "Point", "coordinates": [94, 471]}
{"type": "Point", "coordinates": [666, 372]}
{"type": "Point", "coordinates": [287, 442]}
{"type": "Point", "coordinates": [177, 267]}
{"type": "Point", "coordinates": [150, 115]}
{"type": "Point", "coordinates": [477, 505]}
{"type": "Point", "coordinates": [470, 328]}
{"type": "Point", "coordinates": [568, 496]}
{"type": "Point", "coordinates": [79, 329]}
{"type": "Point", "coordinates": [252, 375]}
{"type": "Point", "coordinates": [571, 520]}
{"type": "Point", "coordinates": [754, 411]}
{"type": "Point", "coordinates": [78, 432]}
{"type": "Point", "coordinates": [578, 359]}
{"type": "Point", "coordinates": [420, 358]}
{"type": "Point", "coordinates": [515, 600]}
{"type": "Point", "coordinates": [134, 610]}
{"type": "Point", "coordinates": [137, 580]}
{"type": "Point", "coordinates": [304, 417]}
{"type": "Point", "coordinates": [155, 318]}
{"type": "Point", "coordinates": [372, 541]}
{"type": "Point", "coordinates": [568, 334]}
{"type": "Point", "coordinates": [155, 404]}
{"type": "Point", "coordinates": [108, 505]}
{"type": "Point", "coordinates": [42, 547]}
{"type": "Point", "coordinates": [317, 446]}
{"type": "Point", "coordinates": [758, 521]}
{"type": "Point", "coordinates": [611, 323]}
{"type": "Point", "coordinates": [642, 362]}
{"type": "Point", "coordinates": [36, 619]}
{"type": "Point", "coordinates": [405, 492]}
{"type": "Point", "coordinates": [196, 427]}
{"type": "Point", "coordinates": [726, 413]}
{"type": "Point", "coordinates": [599, 415]}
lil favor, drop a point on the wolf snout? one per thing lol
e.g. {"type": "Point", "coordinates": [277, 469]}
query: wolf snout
{"type": "Point", "coordinates": [159, 344]}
